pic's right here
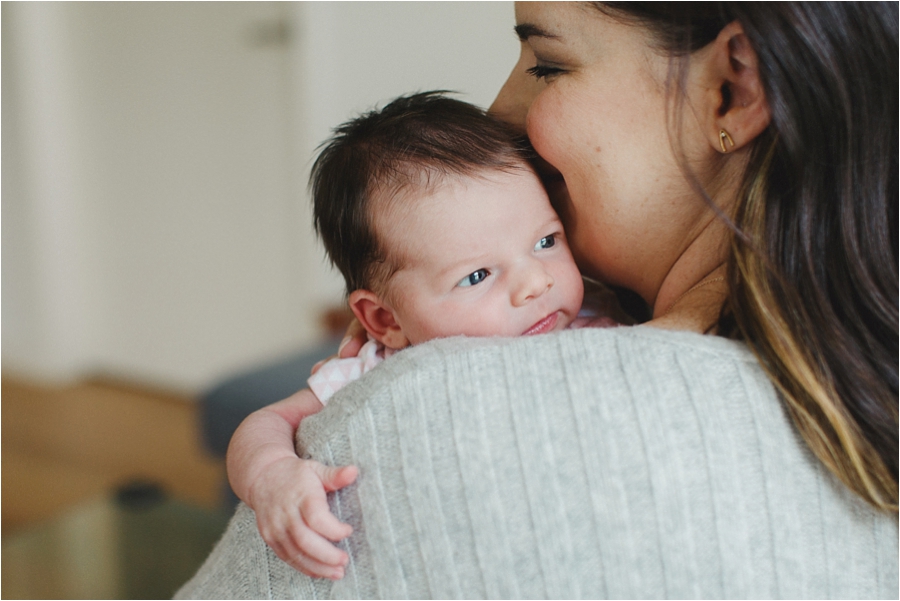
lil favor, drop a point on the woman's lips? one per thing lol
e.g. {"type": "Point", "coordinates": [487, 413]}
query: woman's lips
{"type": "Point", "coordinates": [543, 326]}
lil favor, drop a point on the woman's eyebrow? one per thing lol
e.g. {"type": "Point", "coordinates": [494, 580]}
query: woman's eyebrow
{"type": "Point", "coordinates": [528, 30]}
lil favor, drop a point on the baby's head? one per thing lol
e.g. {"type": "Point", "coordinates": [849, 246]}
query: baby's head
{"type": "Point", "coordinates": [440, 227]}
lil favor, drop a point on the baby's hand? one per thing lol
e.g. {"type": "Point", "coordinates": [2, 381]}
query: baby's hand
{"type": "Point", "coordinates": [293, 517]}
{"type": "Point", "coordinates": [353, 341]}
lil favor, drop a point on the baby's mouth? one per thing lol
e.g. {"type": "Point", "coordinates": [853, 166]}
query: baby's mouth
{"type": "Point", "coordinates": [543, 326]}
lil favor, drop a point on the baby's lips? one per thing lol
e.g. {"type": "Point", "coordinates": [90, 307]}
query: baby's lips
{"type": "Point", "coordinates": [543, 326]}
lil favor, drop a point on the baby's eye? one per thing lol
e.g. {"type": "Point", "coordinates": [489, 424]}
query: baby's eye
{"type": "Point", "coordinates": [476, 277]}
{"type": "Point", "coordinates": [545, 242]}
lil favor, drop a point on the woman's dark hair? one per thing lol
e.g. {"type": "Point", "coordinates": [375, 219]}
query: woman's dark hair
{"type": "Point", "coordinates": [413, 142]}
{"type": "Point", "coordinates": [813, 273]}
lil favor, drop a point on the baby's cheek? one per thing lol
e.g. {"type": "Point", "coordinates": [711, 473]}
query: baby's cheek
{"type": "Point", "coordinates": [452, 322]}
{"type": "Point", "coordinates": [484, 320]}
{"type": "Point", "coordinates": [572, 285]}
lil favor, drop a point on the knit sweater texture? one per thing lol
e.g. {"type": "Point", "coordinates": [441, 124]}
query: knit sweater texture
{"type": "Point", "coordinates": [610, 463]}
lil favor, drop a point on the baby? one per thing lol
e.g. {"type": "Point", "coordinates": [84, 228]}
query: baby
{"type": "Point", "coordinates": [440, 227]}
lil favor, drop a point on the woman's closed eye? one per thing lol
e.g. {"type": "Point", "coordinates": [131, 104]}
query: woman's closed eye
{"type": "Point", "coordinates": [545, 242]}
{"type": "Point", "coordinates": [544, 72]}
{"type": "Point", "coordinates": [474, 278]}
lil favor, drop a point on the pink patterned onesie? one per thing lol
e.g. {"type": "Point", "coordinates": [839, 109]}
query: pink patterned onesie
{"type": "Point", "coordinates": [336, 373]}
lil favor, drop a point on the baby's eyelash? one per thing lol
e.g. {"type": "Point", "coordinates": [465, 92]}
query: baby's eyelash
{"type": "Point", "coordinates": [543, 71]}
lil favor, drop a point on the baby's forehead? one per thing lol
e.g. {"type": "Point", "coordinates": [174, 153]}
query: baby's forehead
{"type": "Point", "coordinates": [424, 217]}
{"type": "Point", "coordinates": [410, 194]}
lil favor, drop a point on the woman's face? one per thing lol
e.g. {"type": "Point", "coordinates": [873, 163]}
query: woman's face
{"type": "Point", "coordinates": [591, 93]}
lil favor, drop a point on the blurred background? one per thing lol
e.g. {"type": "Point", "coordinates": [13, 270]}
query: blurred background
{"type": "Point", "coordinates": [160, 276]}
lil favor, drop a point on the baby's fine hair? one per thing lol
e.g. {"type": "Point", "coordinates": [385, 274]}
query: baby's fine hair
{"type": "Point", "coordinates": [411, 143]}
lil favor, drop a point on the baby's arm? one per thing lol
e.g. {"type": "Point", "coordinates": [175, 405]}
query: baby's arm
{"type": "Point", "coordinates": [286, 492]}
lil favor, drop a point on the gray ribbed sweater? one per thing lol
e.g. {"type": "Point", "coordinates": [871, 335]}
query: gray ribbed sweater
{"type": "Point", "coordinates": [621, 463]}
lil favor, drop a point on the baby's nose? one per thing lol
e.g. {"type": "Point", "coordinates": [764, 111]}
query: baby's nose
{"type": "Point", "coordinates": [533, 281]}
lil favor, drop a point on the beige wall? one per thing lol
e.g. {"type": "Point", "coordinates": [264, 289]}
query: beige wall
{"type": "Point", "coordinates": [155, 221]}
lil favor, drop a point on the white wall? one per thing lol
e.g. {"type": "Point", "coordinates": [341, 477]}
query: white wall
{"type": "Point", "coordinates": [353, 55]}
{"type": "Point", "coordinates": [46, 279]}
{"type": "Point", "coordinates": [155, 155]}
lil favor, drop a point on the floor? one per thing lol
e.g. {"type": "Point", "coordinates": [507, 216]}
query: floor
{"type": "Point", "coordinates": [68, 448]}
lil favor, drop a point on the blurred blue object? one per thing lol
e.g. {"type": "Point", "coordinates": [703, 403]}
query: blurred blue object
{"type": "Point", "coordinates": [225, 406]}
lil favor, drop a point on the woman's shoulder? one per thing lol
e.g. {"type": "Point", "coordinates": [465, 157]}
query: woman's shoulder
{"type": "Point", "coordinates": [612, 365]}
{"type": "Point", "coordinates": [587, 348]}
{"type": "Point", "coordinates": [597, 449]}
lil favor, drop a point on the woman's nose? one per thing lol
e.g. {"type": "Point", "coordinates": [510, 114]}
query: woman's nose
{"type": "Point", "coordinates": [514, 99]}
{"type": "Point", "coordinates": [533, 281]}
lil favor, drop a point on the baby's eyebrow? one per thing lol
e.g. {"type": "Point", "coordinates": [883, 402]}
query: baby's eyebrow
{"type": "Point", "coordinates": [551, 223]}
{"type": "Point", "coordinates": [463, 264]}
{"type": "Point", "coordinates": [529, 30]}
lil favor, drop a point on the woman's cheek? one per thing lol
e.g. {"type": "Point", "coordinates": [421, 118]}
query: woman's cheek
{"type": "Point", "coordinates": [545, 124]}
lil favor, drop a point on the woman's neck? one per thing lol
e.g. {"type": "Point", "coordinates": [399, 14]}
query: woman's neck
{"type": "Point", "coordinates": [696, 307]}
{"type": "Point", "coordinates": [691, 295]}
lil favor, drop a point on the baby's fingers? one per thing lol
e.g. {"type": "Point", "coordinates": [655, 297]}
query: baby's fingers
{"type": "Point", "coordinates": [305, 564]}
{"type": "Point", "coordinates": [334, 478]}
{"type": "Point", "coordinates": [353, 340]}
{"type": "Point", "coordinates": [318, 517]}
{"type": "Point", "coordinates": [310, 544]}
{"type": "Point", "coordinates": [314, 568]}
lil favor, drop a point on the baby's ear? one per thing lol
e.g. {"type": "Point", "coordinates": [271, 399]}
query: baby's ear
{"type": "Point", "coordinates": [378, 319]}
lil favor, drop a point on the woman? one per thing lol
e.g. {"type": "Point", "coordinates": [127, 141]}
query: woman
{"type": "Point", "coordinates": [735, 166]}
{"type": "Point", "coordinates": [811, 284]}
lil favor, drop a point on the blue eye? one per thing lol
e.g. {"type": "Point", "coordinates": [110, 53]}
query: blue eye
{"type": "Point", "coordinates": [545, 242]}
{"type": "Point", "coordinates": [476, 277]}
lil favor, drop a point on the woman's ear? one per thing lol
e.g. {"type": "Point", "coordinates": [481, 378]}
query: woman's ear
{"type": "Point", "coordinates": [378, 319]}
{"type": "Point", "coordinates": [734, 108]}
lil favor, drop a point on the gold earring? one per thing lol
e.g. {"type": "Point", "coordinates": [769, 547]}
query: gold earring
{"type": "Point", "coordinates": [723, 135]}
